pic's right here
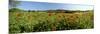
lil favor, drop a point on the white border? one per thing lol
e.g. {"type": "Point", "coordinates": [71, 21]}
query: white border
{"type": "Point", "coordinates": [3, 16]}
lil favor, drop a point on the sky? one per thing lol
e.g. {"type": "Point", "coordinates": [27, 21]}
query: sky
{"type": "Point", "coordinates": [28, 5]}
{"type": "Point", "coordinates": [87, 2]}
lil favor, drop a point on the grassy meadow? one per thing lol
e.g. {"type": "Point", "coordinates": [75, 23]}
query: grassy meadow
{"type": "Point", "coordinates": [21, 21]}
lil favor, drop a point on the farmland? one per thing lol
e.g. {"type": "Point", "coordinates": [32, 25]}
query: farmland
{"type": "Point", "coordinates": [24, 21]}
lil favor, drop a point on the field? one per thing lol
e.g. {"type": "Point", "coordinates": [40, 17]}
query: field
{"type": "Point", "coordinates": [20, 22]}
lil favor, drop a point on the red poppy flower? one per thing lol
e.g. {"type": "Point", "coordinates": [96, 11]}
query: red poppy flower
{"type": "Point", "coordinates": [49, 14]}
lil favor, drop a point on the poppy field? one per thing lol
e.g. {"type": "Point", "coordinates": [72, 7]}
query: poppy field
{"type": "Point", "coordinates": [24, 21]}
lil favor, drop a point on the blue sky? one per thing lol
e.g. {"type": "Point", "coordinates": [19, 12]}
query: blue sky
{"type": "Point", "coordinates": [26, 5]}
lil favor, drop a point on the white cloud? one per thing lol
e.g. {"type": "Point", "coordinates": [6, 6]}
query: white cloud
{"type": "Point", "coordinates": [87, 2]}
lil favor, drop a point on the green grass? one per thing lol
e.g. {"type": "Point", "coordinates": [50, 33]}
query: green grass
{"type": "Point", "coordinates": [20, 22]}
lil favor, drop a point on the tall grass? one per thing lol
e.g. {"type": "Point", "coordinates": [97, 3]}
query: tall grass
{"type": "Point", "coordinates": [20, 22]}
